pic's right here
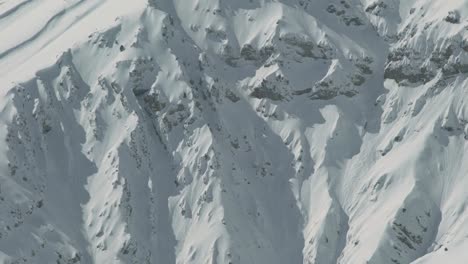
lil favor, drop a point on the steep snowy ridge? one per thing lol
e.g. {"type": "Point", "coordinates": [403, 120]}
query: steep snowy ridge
{"type": "Point", "coordinates": [247, 131]}
{"type": "Point", "coordinates": [35, 33]}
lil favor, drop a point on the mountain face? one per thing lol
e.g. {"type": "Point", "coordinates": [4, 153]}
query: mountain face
{"type": "Point", "coordinates": [234, 131]}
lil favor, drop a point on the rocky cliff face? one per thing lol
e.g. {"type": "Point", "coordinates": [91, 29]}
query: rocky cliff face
{"type": "Point", "coordinates": [247, 131]}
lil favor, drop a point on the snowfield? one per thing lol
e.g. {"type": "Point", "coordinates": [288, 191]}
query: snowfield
{"type": "Point", "coordinates": [234, 131]}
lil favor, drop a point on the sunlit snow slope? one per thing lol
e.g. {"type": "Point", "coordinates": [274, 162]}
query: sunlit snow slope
{"type": "Point", "coordinates": [234, 131]}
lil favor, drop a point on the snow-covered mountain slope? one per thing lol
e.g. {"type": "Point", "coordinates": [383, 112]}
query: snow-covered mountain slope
{"type": "Point", "coordinates": [247, 131]}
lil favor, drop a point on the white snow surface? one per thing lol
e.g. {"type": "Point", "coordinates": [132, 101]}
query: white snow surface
{"type": "Point", "coordinates": [234, 131]}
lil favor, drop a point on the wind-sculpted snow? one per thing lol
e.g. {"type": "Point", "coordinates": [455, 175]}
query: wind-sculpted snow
{"type": "Point", "coordinates": [247, 131]}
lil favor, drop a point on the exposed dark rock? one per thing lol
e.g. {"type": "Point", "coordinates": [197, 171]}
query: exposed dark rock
{"type": "Point", "coordinates": [375, 6]}
{"type": "Point", "coordinates": [248, 52]}
{"type": "Point", "coordinates": [400, 74]}
{"type": "Point", "coordinates": [364, 68]}
{"type": "Point", "coordinates": [349, 93]}
{"type": "Point", "coordinates": [358, 80]}
{"type": "Point", "coordinates": [306, 47]}
{"type": "Point", "coordinates": [301, 92]}
{"type": "Point", "coordinates": [264, 92]}
{"type": "Point", "coordinates": [453, 17]}
{"type": "Point", "coordinates": [331, 9]}
{"type": "Point", "coordinates": [153, 103]}
{"type": "Point", "coordinates": [353, 21]}
{"type": "Point", "coordinates": [232, 96]}
{"type": "Point", "coordinates": [323, 94]}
